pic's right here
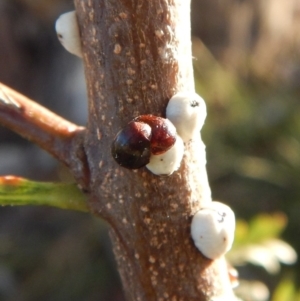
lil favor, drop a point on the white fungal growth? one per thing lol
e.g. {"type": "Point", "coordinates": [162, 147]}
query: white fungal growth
{"type": "Point", "coordinates": [68, 34]}
{"type": "Point", "coordinates": [187, 111]}
{"type": "Point", "coordinates": [212, 229]}
{"type": "Point", "coordinates": [168, 162]}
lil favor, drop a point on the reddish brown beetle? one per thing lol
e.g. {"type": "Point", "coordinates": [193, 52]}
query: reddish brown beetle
{"type": "Point", "coordinates": [145, 135]}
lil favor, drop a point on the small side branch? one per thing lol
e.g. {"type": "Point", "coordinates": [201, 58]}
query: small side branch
{"type": "Point", "coordinates": [51, 132]}
{"type": "Point", "coordinates": [15, 191]}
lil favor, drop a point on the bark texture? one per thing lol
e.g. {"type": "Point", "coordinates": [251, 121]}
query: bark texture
{"type": "Point", "coordinates": [59, 137]}
{"type": "Point", "coordinates": [137, 54]}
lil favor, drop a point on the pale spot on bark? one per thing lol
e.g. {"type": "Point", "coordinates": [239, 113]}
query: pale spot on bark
{"type": "Point", "coordinates": [181, 267]}
{"type": "Point", "coordinates": [123, 15]}
{"type": "Point", "coordinates": [83, 6]}
{"type": "Point", "coordinates": [101, 96]}
{"type": "Point", "coordinates": [101, 164]}
{"type": "Point", "coordinates": [174, 206]}
{"type": "Point", "coordinates": [144, 209]}
{"type": "Point", "coordinates": [108, 205]}
{"type": "Point", "coordinates": [159, 33]}
{"type": "Point", "coordinates": [91, 15]}
{"type": "Point", "coordinates": [117, 49]}
{"type": "Point", "coordinates": [97, 85]}
{"type": "Point", "coordinates": [154, 241]}
{"type": "Point", "coordinates": [153, 86]}
{"type": "Point", "coordinates": [155, 273]}
{"type": "Point", "coordinates": [147, 220]}
{"type": "Point", "coordinates": [130, 71]}
{"type": "Point", "coordinates": [152, 259]}
{"type": "Point", "coordinates": [162, 265]}
{"type": "Point", "coordinates": [99, 135]}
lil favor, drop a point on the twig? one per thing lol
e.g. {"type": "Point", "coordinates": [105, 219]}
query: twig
{"type": "Point", "coordinates": [39, 125]}
{"type": "Point", "coordinates": [15, 191]}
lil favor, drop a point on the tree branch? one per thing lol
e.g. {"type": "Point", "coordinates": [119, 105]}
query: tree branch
{"type": "Point", "coordinates": [57, 136]}
{"type": "Point", "coordinates": [36, 123]}
{"type": "Point", "coordinates": [137, 55]}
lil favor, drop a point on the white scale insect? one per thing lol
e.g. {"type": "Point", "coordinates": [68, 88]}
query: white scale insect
{"type": "Point", "coordinates": [68, 34]}
{"type": "Point", "coordinates": [187, 111]}
{"type": "Point", "coordinates": [212, 229]}
{"type": "Point", "coordinates": [168, 162]}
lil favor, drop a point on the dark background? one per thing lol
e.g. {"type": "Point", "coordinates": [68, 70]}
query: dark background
{"type": "Point", "coordinates": [247, 67]}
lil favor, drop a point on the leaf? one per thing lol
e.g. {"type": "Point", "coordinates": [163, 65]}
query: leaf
{"type": "Point", "coordinates": [257, 243]}
{"type": "Point", "coordinates": [283, 251]}
{"type": "Point", "coordinates": [16, 191]}
{"type": "Point", "coordinates": [261, 227]}
{"type": "Point", "coordinates": [257, 255]}
{"type": "Point", "coordinates": [265, 226]}
{"type": "Point", "coordinates": [285, 291]}
{"type": "Point", "coordinates": [252, 290]}
{"type": "Point", "coordinates": [241, 233]}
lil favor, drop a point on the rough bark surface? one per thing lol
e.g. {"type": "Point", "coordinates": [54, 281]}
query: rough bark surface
{"type": "Point", "coordinates": [137, 54]}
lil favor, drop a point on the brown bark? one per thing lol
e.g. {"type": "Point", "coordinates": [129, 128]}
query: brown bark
{"type": "Point", "coordinates": [59, 137]}
{"type": "Point", "coordinates": [137, 54]}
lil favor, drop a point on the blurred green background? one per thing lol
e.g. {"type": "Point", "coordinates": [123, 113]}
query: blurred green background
{"type": "Point", "coordinates": [247, 67]}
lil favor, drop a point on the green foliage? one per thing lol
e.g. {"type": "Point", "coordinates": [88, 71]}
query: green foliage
{"type": "Point", "coordinates": [258, 242]}
{"type": "Point", "coordinates": [286, 291]}
{"type": "Point", "coordinates": [15, 191]}
{"type": "Point", "coordinates": [260, 228]}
